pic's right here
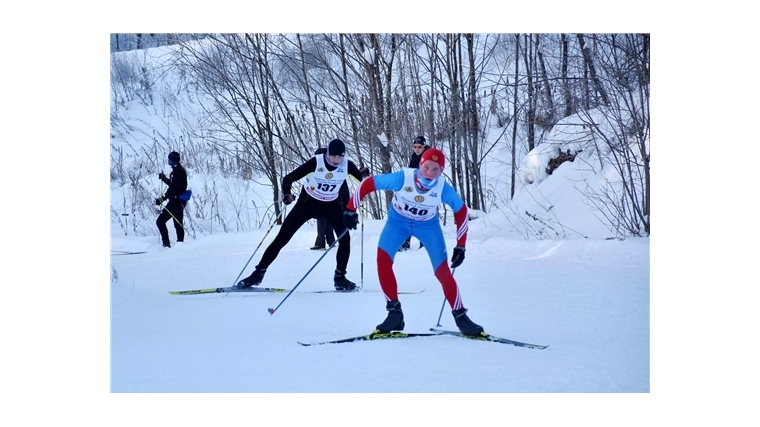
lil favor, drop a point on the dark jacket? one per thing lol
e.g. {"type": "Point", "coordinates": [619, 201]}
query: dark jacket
{"type": "Point", "coordinates": [177, 182]}
{"type": "Point", "coordinates": [309, 167]}
{"type": "Point", "coordinates": [414, 161]}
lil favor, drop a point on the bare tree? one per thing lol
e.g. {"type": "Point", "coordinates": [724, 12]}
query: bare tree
{"type": "Point", "coordinates": [233, 69]}
{"type": "Point", "coordinates": [268, 99]}
{"type": "Point", "coordinates": [548, 116]}
{"type": "Point", "coordinates": [378, 70]}
{"type": "Point", "coordinates": [565, 84]}
{"type": "Point", "coordinates": [514, 117]}
{"type": "Point", "coordinates": [472, 171]}
{"type": "Point", "coordinates": [589, 63]}
{"type": "Point", "coordinates": [531, 98]}
{"type": "Point", "coordinates": [624, 131]}
{"type": "Point", "coordinates": [306, 87]}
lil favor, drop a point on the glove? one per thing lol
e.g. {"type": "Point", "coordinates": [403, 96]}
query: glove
{"type": "Point", "coordinates": [162, 176]}
{"type": "Point", "coordinates": [159, 201]}
{"type": "Point", "coordinates": [365, 172]}
{"type": "Point", "coordinates": [350, 219]}
{"type": "Point", "coordinates": [457, 257]}
{"type": "Point", "coordinates": [288, 198]}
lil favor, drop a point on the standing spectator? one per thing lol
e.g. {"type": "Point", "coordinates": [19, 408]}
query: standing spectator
{"type": "Point", "coordinates": [416, 194]}
{"type": "Point", "coordinates": [324, 173]}
{"type": "Point", "coordinates": [419, 146]}
{"type": "Point", "coordinates": [325, 235]}
{"type": "Point", "coordinates": [177, 183]}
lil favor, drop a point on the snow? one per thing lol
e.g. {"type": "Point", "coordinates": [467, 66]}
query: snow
{"type": "Point", "coordinates": [587, 299]}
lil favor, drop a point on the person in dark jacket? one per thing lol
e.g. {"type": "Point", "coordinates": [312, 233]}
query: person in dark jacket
{"type": "Point", "coordinates": [173, 210]}
{"type": "Point", "coordinates": [324, 173]}
{"type": "Point", "coordinates": [419, 146]}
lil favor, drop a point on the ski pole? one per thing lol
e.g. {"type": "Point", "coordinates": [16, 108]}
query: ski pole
{"type": "Point", "coordinates": [438, 325]}
{"type": "Point", "coordinates": [272, 310]}
{"type": "Point", "coordinates": [257, 247]}
{"type": "Point", "coordinates": [361, 282]}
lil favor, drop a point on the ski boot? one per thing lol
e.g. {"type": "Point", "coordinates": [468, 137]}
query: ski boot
{"type": "Point", "coordinates": [341, 283]}
{"type": "Point", "coordinates": [253, 280]}
{"type": "Point", "coordinates": [395, 319]}
{"type": "Point", "coordinates": [465, 325]}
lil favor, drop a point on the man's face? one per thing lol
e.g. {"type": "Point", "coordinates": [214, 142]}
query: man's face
{"type": "Point", "coordinates": [430, 170]}
{"type": "Point", "coordinates": [418, 149]}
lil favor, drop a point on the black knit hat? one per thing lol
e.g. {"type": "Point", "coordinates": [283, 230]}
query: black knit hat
{"type": "Point", "coordinates": [419, 140]}
{"type": "Point", "coordinates": [336, 147]}
{"type": "Point", "coordinates": [173, 158]}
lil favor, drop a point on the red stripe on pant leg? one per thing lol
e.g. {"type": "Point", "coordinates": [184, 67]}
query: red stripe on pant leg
{"type": "Point", "coordinates": [386, 276]}
{"type": "Point", "coordinates": [449, 285]}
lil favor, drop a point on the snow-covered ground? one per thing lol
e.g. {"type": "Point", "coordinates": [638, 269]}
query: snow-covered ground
{"type": "Point", "coordinates": [588, 299]}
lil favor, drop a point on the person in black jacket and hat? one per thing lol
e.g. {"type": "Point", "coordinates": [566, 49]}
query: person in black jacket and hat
{"type": "Point", "coordinates": [324, 173]}
{"type": "Point", "coordinates": [173, 210]}
{"type": "Point", "coordinates": [419, 146]}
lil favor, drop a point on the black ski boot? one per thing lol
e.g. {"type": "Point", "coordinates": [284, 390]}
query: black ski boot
{"type": "Point", "coordinates": [341, 283]}
{"type": "Point", "coordinates": [253, 280]}
{"type": "Point", "coordinates": [465, 325]}
{"type": "Point", "coordinates": [395, 319]}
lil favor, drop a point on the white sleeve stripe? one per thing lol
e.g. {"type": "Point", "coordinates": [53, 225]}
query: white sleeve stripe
{"type": "Point", "coordinates": [357, 199]}
{"type": "Point", "coordinates": [463, 228]}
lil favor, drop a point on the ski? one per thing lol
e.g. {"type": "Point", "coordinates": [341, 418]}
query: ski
{"type": "Point", "coordinates": [126, 252]}
{"type": "Point", "coordinates": [335, 291]}
{"type": "Point", "coordinates": [371, 337]}
{"type": "Point", "coordinates": [488, 337]}
{"type": "Point", "coordinates": [228, 289]}
{"type": "Point", "coordinates": [254, 289]}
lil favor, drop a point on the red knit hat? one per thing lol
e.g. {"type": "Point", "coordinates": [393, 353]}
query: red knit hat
{"type": "Point", "coordinates": [435, 155]}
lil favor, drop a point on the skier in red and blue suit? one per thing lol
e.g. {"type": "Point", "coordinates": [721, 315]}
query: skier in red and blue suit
{"type": "Point", "coordinates": [416, 196]}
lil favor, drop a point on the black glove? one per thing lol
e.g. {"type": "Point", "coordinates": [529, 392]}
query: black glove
{"type": "Point", "coordinates": [162, 176]}
{"type": "Point", "coordinates": [457, 257]}
{"type": "Point", "coordinates": [365, 172]}
{"type": "Point", "coordinates": [159, 201]}
{"type": "Point", "coordinates": [350, 219]}
{"type": "Point", "coordinates": [288, 198]}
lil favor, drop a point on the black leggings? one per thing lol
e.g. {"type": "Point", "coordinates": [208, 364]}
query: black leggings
{"type": "Point", "coordinates": [325, 233]}
{"type": "Point", "coordinates": [176, 209]}
{"type": "Point", "coordinates": [307, 208]}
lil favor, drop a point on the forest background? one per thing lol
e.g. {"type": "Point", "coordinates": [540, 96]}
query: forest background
{"type": "Point", "coordinates": [252, 107]}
